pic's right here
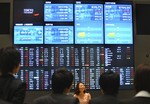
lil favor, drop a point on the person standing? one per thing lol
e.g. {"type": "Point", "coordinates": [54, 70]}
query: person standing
{"type": "Point", "coordinates": [81, 94]}
{"type": "Point", "coordinates": [12, 90]}
{"type": "Point", "coordinates": [62, 81]}
{"type": "Point", "coordinates": [141, 85]}
{"type": "Point", "coordinates": [109, 83]}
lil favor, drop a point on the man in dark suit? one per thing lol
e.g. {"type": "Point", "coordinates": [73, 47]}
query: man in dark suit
{"type": "Point", "coordinates": [109, 83]}
{"type": "Point", "coordinates": [3, 102]}
{"type": "Point", "coordinates": [61, 85]}
{"type": "Point", "coordinates": [141, 85]}
{"type": "Point", "coordinates": [12, 90]}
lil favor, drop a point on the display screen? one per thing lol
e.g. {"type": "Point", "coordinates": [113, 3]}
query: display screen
{"type": "Point", "coordinates": [28, 11]}
{"type": "Point", "coordinates": [89, 24]}
{"type": "Point", "coordinates": [86, 62]}
{"type": "Point", "coordinates": [86, 37]}
{"type": "Point", "coordinates": [118, 24]}
{"type": "Point", "coordinates": [28, 34]}
{"type": "Point", "coordinates": [58, 35]}
{"type": "Point", "coordinates": [58, 12]}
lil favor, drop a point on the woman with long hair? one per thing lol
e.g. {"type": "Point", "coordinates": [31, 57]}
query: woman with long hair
{"type": "Point", "coordinates": [80, 93]}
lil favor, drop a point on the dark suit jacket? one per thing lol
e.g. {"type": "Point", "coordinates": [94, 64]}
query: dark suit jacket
{"type": "Point", "coordinates": [56, 99]}
{"type": "Point", "coordinates": [137, 100]}
{"type": "Point", "coordinates": [12, 90]}
{"type": "Point", "coordinates": [105, 99]}
{"type": "Point", "coordinates": [3, 102]}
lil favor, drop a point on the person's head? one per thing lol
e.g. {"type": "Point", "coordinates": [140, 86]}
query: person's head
{"type": "Point", "coordinates": [80, 87]}
{"type": "Point", "coordinates": [9, 60]}
{"type": "Point", "coordinates": [142, 78]}
{"type": "Point", "coordinates": [62, 81]}
{"type": "Point", "coordinates": [109, 82]}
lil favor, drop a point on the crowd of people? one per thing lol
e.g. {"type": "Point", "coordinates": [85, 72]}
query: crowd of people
{"type": "Point", "coordinates": [12, 90]}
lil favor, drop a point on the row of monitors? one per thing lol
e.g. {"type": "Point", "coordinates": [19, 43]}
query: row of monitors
{"type": "Point", "coordinates": [67, 23]}
{"type": "Point", "coordinates": [76, 56]}
{"type": "Point", "coordinates": [40, 78]}
{"type": "Point", "coordinates": [86, 62]}
{"type": "Point", "coordinates": [65, 35]}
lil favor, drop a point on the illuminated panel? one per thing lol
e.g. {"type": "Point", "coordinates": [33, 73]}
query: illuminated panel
{"type": "Point", "coordinates": [89, 55]}
{"type": "Point", "coordinates": [86, 62]}
{"type": "Point", "coordinates": [76, 76]}
{"type": "Point", "coordinates": [21, 50]}
{"type": "Point", "coordinates": [28, 11]}
{"type": "Point", "coordinates": [35, 78]}
{"type": "Point", "coordinates": [34, 56]}
{"type": "Point", "coordinates": [89, 76]}
{"type": "Point", "coordinates": [46, 56]}
{"type": "Point", "coordinates": [118, 24]}
{"type": "Point", "coordinates": [45, 79]}
{"type": "Point", "coordinates": [119, 55]}
{"type": "Point", "coordinates": [98, 72]}
{"type": "Point", "coordinates": [28, 34]}
{"type": "Point", "coordinates": [58, 12]}
{"type": "Point", "coordinates": [88, 24]}
{"type": "Point", "coordinates": [62, 56]}
{"type": "Point", "coordinates": [89, 62]}
{"type": "Point", "coordinates": [58, 35]}
{"type": "Point", "coordinates": [126, 76]}
{"type": "Point", "coordinates": [119, 58]}
{"type": "Point", "coordinates": [72, 70]}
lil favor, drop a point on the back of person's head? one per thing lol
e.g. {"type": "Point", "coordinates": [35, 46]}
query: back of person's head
{"type": "Point", "coordinates": [9, 59]}
{"type": "Point", "coordinates": [109, 82]}
{"type": "Point", "coordinates": [61, 79]}
{"type": "Point", "coordinates": [142, 78]}
{"type": "Point", "coordinates": [77, 89]}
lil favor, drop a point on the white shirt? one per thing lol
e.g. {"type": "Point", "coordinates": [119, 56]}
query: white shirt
{"type": "Point", "coordinates": [143, 94]}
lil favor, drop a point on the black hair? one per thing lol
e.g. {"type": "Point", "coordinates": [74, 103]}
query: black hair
{"type": "Point", "coordinates": [109, 82]}
{"type": "Point", "coordinates": [61, 79]}
{"type": "Point", "coordinates": [77, 91]}
{"type": "Point", "coordinates": [9, 59]}
{"type": "Point", "coordinates": [142, 78]}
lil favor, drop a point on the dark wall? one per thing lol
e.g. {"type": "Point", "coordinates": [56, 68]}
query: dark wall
{"type": "Point", "coordinates": [6, 19]}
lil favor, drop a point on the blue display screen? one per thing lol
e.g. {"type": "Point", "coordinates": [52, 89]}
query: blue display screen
{"type": "Point", "coordinates": [58, 12]}
{"type": "Point", "coordinates": [28, 34]}
{"type": "Point", "coordinates": [118, 24]}
{"type": "Point", "coordinates": [58, 35]}
{"type": "Point", "coordinates": [89, 24]}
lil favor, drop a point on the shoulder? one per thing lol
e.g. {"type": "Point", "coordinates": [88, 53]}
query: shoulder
{"type": "Point", "coordinates": [41, 100]}
{"type": "Point", "coordinates": [3, 102]}
{"type": "Point", "coordinates": [56, 99]}
{"type": "Point", "coordinates": [70, 99]}
{"type": "Point", "coordinates": [105, 99]}
{"type": "Point", "coordinates": [87, 94]}
{"type": "Point", "coordinates": [137, 100]}
{"type": "Point", "coordinates": [18, 84]}
{"type": "Point", "coordinates": [74, 95]}
{"type": "Point", "coordinates": [18, 89]}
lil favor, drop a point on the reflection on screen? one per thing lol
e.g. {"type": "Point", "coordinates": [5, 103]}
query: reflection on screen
{"type": "Point", "coordinates": [28, 34]}
{"type": "Point", "coordinates": [58, 35]}
{"type": "Point", "coordinates": [58, 12]}
{"type": "Point", "coordinates": [88, 24]}
{"type": "Point", "coordinates": [118, 24]}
